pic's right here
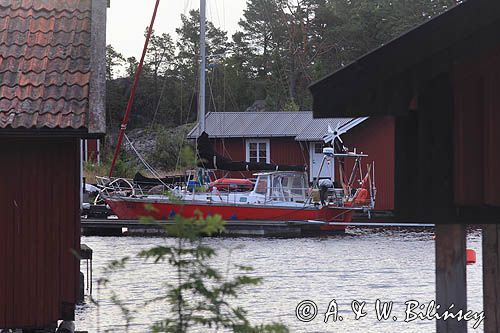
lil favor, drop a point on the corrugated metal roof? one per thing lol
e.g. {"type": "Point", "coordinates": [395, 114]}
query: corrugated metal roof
{"type": "Point", "coordinates": [45, 48]}
{"type": "Point", "coordinates": [300, 125]}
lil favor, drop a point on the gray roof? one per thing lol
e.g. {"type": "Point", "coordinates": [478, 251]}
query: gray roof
{"type": "Point", "coordinates": [300, 125]}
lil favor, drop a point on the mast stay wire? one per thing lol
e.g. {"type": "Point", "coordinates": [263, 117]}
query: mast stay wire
{"type": "Point", "coordinates": [144, 162]}
{"type": "Point", "coordinates": [165, 80]}
{"type": "Point", "coordinates": [221, 120]}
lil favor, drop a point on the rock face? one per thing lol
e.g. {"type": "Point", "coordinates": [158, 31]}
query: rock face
{"type": "Point", "coordinates": [143, 140]}
{"type": "Point", "coordinates": [257, 106]}
{"type": "Point", "coordinates": [160, 147]}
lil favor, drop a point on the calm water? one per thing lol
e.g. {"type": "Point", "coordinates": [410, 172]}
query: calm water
{"type": "Point", "coordinates": [364, 265]}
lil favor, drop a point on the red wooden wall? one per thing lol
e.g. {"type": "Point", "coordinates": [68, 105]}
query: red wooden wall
{"type": "Point", "coordinates": [477, 130]}
{"type": "Point", "coordinates": [231, 148]}
{"type": "Point", "coordinates": [375, 137]}
{"type": "Point", "coordinates": [92, 151]}
{"type": "Point", "coordinates": [289, 151]}
{"type": "Point", "coordinates": [40, 229]}
{"type": "Point", "coordinates": [283, 151]}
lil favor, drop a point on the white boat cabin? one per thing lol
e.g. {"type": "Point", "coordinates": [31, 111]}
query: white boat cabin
{"type": "Point", "coordinates": [277, 187]}
{"type": "Point", "coordinates": [284, 186]}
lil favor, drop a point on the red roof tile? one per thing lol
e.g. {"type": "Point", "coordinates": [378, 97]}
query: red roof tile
{"type": "Point", "coordinates": [45, 50]}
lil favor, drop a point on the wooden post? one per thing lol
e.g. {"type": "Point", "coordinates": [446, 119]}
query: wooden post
{"type": "Point", "coordinates": [491, 277]}
{"type": "Point", "coordinates": [451, 282]}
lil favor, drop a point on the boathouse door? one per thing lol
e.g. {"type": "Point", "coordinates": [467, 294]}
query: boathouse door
{"type": "Point", "coordinates": [316, 157]}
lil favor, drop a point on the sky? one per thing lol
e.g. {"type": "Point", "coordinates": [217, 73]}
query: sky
{"type": "Point", "coordinates": [127, 20]}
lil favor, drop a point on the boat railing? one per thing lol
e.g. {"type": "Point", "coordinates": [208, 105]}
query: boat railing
{"type": "Point", "coordinates": [119, 186]}
{"type": "Point", "coordinates": [306, 195]}
{"type": "Point", "coordinates": [220, 195]}
{"type": "Point", "coordinates": [342, 197]}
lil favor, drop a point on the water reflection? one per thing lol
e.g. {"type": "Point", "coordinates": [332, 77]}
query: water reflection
{"type": "Point", "coordinates": [364, 265]}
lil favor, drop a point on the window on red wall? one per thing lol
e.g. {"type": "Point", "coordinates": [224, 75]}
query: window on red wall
{"type": "Point", "coordinates": [257, 151]}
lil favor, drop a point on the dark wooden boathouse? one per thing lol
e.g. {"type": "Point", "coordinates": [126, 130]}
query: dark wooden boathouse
{"type": "Point", "coordinates": [441, 82]}
{"type": "Point", "coordinates": [52, 84]}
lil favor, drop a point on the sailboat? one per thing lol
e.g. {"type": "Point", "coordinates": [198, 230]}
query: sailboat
{"type": "Point", "coordinates": [279, 193]}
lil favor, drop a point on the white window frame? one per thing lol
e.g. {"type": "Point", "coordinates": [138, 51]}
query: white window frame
{"type": "Point", "coordinates": [259, 141]}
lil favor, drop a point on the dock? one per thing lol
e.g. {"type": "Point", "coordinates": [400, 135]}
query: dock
{"type": "Point", "coordinates": [118, 227]}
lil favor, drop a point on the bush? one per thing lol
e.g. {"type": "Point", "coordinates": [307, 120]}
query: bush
{"type": "Point", "coordinates": [172, 151]}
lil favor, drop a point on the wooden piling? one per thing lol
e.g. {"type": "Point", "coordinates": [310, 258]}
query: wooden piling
{"type": "Point", "coordinates": [451, 282]}
{"type": "Point", "coordinates": [491, 277]}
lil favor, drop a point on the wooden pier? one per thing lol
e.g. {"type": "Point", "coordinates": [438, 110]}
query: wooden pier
{"type": "Point", "coordinates": [117, 227]}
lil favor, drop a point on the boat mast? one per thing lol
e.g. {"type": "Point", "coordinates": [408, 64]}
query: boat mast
{"type": "Point", "coordinates": [201, 102]}
{"type": "Point", "coordinates": [126, 116]}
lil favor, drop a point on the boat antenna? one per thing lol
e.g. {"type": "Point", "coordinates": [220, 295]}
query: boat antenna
{"type": "Point", "coordinates": [201, 103]}
{"type": "Point", "coordinates": [123, 126]}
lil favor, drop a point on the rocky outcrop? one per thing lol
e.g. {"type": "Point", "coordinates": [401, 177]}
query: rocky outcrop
{"type": "Point", "coordinates": [257, 106]}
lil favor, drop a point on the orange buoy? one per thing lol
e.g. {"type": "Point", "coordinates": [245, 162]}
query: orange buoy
{"type": "Point", "coordinates": [470, 256]}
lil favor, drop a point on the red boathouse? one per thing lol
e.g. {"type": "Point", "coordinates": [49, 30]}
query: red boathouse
{"type": "Point", "coordinates": [296, 138]}
{"type": "Point", "coordinates": [52, 86]}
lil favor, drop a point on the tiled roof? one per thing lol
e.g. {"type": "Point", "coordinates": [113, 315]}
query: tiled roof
{"type": "Point", "coordinates": [300, 125]}
{"type": "Point", "coordinates": [45, 48]}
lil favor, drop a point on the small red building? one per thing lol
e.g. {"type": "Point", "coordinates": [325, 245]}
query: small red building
{"type": "Point", "coordinates": [91, 150]}
{"type": "Point", "coordinates": [52, 86]}
{"type": "Point", "coordinates": [296, 138]}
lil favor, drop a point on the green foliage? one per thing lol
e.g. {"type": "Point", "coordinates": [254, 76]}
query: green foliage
{"type": "Point", "coordinates": [123, 169]}
{"type": "Point", "coordinates": [113, 59]}
{"type": "Point", "coordinates": [91, 170]}
{"type": "Point", "coordinates": [187, 158]}
{"type": "Point", "coordinates": [291, 106]}
{"type": "Point", "coordinates": [131, 66]}
{"type": "Point", "coordinates": [200, 296]}
{"type": "Point", "coordinates": [172, 151]}
{"type": "Point", "coordinates": [160, 54]}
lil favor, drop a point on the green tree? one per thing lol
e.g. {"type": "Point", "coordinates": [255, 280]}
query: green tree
{"type": "Point", "coordinates": [264, 33]}
{"type": "Point", "coordinates": [171, 151]}
{"type": "Point", "coordinates": [354, 28]}
{"type": "Point", "coordinates": [187, 60]}
{"type": "Point", "coordinates": [188, 43]}
{"type": "Point", "coordinates": [131, 66]}
{"type": "Point", "coordinates": [294, 42]}
{"type": "Point", "coordinates": [113, 59]}
{"type": "Point", "coordinates": [159, 57]}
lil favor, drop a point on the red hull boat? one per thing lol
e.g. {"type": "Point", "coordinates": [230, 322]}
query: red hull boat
{"type": "Point", "coordinates": [133, 208]}
{"type": "Point", "coordinates": [276, 196]}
